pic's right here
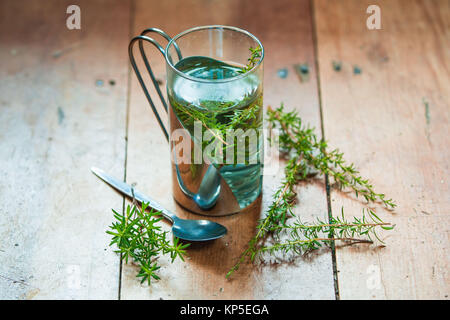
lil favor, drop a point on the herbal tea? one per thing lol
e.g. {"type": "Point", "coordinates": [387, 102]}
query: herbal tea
{"type": "Point", "coordinates": [229, 114]}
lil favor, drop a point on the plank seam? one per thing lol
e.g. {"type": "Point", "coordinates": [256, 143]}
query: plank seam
{"type": "Point", "coordinates": [127, 117]}
{"type": "Point", "coordinates": [322, 128]}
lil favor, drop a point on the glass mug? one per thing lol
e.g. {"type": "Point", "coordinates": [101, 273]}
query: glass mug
{"type": "Point", "coordinates": [215, 89]}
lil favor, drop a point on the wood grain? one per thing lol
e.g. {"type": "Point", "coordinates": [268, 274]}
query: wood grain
{"type": "Point", "coordinates": [287, 38]}
{"type": "Point", "coordinates": [392, 122]}
{"type": "Point", "coordinates": [59, 116]}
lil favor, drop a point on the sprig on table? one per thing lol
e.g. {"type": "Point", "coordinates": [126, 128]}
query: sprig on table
{"type": "Point", "coordinates": [138, 238]}
{"type": "Point", "coordinates": [294, 137]}
{"type": "Point", "coordinates": [307, 153]}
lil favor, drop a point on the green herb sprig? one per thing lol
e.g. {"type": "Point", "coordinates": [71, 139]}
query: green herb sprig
{"type": "Point", "coordinates": [294, 137]}
{"type": "Point", "coordinates": [221, 124]}
{"type": "Point", "coordinates": [255, 56]}
{"type": "Point", "coordinates": [275, 232]}
{"type": "Point", "coordinates": [138, 238]}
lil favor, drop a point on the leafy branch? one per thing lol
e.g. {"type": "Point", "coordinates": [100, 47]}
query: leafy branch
{"type": "Point", "coordinates": [295, 137]}
{"type": "Point", "coordinates": [255, 55]}
{"type": "Point", "coordinates": [218, 124]}
{"type": "Point", "coordinates": [307, 154]}
{"type": "Point", "coordinates": [247, 115]}
{"type": "Point", "coordinates": [138, 238]}
{"type": "Point", "coordinates": [221, 119]}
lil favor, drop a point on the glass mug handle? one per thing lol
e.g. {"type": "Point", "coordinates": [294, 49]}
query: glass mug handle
{"type": "Point", "coordinates": [141, 38]}
{"type": "Point", "coordinates": [209, 191]}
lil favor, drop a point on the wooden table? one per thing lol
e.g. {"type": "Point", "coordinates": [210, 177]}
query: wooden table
{"type": "Point", "coordinates": [68, 101]}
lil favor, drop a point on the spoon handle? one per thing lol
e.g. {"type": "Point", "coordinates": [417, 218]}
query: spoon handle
{"type": "Point", "coordinates": [153, 204]}
{"type": "Point", "coordinates": [129, 191]}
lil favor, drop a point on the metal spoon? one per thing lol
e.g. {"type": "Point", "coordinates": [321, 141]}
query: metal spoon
{"type": "Point", "coordinates": [209, 189]}
{"type": "Point", "coordinates": [186, 229]}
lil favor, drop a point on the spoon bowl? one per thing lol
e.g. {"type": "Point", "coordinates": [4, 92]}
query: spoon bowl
{"type": "Point", "coordinates": [197, 230]}
{"type": "Point", "coordinates": [209, 190]}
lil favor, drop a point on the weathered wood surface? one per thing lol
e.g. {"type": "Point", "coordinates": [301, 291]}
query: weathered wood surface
{"type": "Point", "coordinates": [55, 123]}
{"type": "Point", "coordinates": [59, 115]}
{"type": "Point", "coordinates": [287, 38]}
{"type": "Point", "coordinates": [392, 121]}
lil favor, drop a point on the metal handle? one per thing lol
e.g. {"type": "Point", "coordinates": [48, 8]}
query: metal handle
{"type": "Point", "coordinates": [137, 196]}
{"type": "Point", "coordinates": [141, 38]}
{"type": "Point", "coordinates": [209, 190]}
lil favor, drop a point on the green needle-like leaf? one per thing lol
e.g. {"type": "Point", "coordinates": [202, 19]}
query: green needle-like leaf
{"type": "Point", "coordinates": [137, 236]}
{"type": "Point", "coordinates": [308, 153]}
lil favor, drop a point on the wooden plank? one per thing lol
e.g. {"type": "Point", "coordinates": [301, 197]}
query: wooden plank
{"type": "Point", "coordinates": [392, 121]}
{"type": "Point", "coordinates": [285, 29]}
{"type": "Point", "coordinates": [58, 117]}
